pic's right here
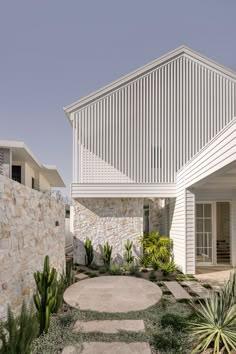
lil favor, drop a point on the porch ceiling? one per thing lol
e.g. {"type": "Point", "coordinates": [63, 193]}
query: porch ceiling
{"type": "Point", "coordinates": [224, 179]}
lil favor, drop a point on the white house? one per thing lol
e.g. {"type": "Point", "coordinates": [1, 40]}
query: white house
{"type": "Point", "coordinates": [156, 149]}
{"type": "Point", "coordinates": [19, 163]}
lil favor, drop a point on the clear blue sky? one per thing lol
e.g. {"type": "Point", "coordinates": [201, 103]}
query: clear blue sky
{"type": "Point", "coordinates": [53, 52]}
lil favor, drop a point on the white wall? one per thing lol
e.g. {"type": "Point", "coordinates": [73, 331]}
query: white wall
{"type": "Point", "coordinates": [44, 185]}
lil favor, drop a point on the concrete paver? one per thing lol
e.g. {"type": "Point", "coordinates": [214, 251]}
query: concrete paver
{"type": "Point", "coordinates": [197, 288]}
{"type": "Point", "coordinates": [107, 326]}
{"type": "Point", "coordinates": [177, 290]}
{"type": "Point", "coordinates": [81, 276]}
{"type": "Point", "coordinates": [113, 294]}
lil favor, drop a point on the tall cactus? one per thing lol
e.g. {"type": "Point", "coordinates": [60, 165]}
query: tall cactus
{"type": "Point", "coordinates": [46, 295]}
{"type": "Point", "coordinates": [89, 251]}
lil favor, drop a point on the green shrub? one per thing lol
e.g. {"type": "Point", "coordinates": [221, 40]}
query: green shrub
{"type": "Point", "coordinates": [168, 268]}
{"type": "Point", "coordinates": [92, 275]}
{"type": "Point", "coordinates": [89, 251]}
{"type": "Point", "coordinates": [155, 265]}
{"type": "Point", "coordinates": [157, 247]}
{"type": "Point", "coordinates": [45, 298]}
{"type": "Point", "coordinates": [144, 270]}
{"type": "Point", "coordinates": [128, 256]}
{"type": "Point", "coordinates": [144, 261]}
{"type": "Point", "coordinates": [216, 319]}
{"type": "Point", "coordinates": [102, 270]}
{"type": "Point", "coordinates": [93, 266]}
{"type": "Point", "coordinates": [152, 276]}
{"type": "Point", "coordinates": [131, 268]}
{"type": "Point", "coordinates": [17, 335]}
{"type": "Point", "coordinates": [166, 341]}
{"type": "Point", "coordinates": [177, 322]}
{"type": "Point", "coordinates": [115, 269]}
{"type": "Point", "coordinates": [107, 252]}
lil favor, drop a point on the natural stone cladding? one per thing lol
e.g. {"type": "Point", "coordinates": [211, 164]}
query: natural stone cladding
{"type": "Point", "coordinates": [108, 219]}
{"type": "Point", "coordinates": [28, 232]}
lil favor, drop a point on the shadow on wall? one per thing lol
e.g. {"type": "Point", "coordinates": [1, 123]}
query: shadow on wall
{"type": "Point", "coordinates": [112, 207]}
{"type": "Point", "coordinates": [80, 254]}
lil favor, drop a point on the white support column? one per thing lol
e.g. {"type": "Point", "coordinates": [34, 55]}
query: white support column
{"type": "Point", "coordinates": [76, 148]}
{"type": "Point", "coordinates": [73, 152]}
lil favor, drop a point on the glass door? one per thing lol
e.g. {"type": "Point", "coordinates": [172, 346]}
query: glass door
{"type": "Point", "coordinates": [204, 239]}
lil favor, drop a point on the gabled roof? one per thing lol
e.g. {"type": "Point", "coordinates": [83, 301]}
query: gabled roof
{"type": "Point", "coordinates": [181, 51]}
{"type": "Point", "coordinates": [23, 153]}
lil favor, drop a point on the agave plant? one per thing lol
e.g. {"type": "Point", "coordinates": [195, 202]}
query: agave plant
{"type": "Point", "coordinates": [216, 320]}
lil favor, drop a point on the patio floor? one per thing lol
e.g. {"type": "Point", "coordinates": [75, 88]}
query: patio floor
{"type": "Point", "coordinates": [215, 276]}
{"type": "Point", "coordinates": [113, 294]}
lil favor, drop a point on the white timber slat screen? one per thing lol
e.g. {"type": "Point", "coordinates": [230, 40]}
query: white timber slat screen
{"type": "Point", "coordinates": [147, 129]}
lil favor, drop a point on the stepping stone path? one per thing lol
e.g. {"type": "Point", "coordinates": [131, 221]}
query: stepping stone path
{"type": "Point", "coordinates": [110, 348]}
{"type": "Point", "coordinates": [177, 290]}
{"type": "Point", "coordinates": [197, 288]}
{"type": "Point", "coordinates": [81, 276]}
{"type": "Point", "coordinates": [113, 326]}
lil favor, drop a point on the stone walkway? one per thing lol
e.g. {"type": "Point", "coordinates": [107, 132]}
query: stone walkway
{"type": "Point", "coordinates": [113, 294]}
{"type": "Point", "coordinates": [110, 348]}
{"type": "Point", "coordinates": [110, 326]}
{"type": "Point", "coordinates": [177, 290]}
{"type": "Point", "coordinates": [197, 288]}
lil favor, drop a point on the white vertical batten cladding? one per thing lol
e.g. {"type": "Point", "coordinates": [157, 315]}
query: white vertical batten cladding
{"type": "Point", "coordinates": [149, 128]}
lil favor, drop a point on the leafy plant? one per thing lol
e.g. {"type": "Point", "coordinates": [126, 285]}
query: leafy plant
{"type": "Point", "coordinates": [89, 251]}
{"type": "Point", "coordinates": [152, 276]}
{"type": "Point", "coordinates": [17, 335]}
{"type": "Point", "coordinates": [216, 320]}
{"type": "Point", "coordinates": [157, 247]}
{"type": "Point", "coordinates": [107, 252]}
{"type": "Point", "coordinates": [144, 261]}
{"type": "Point", "coordinates": [166, 341]}
{"type": "Point", "coordinates": [128, 256]}
{"type": "Point", "coordinates": [132, 268]}
{"type": "Point", "coordinates": [45, 298]}
{"type": "Point", "coordinates": [155, 265]}
{"type": "Point", "coordinates": [168, 268]}
{"type": "Point", "coordinates": [115, 269]}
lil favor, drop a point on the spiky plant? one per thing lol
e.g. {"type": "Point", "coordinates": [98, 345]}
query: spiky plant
{"type": "Point", "coordinates": [128, 255]}
{"type": "Point", "coordinates": [89, 251]}
{"type": "Point", "coordinates": [216, 320]}
{"type": "Point", "coordinates": [107, 252]}
{"type": "Point", "coordinates": [17, 334]}
{"type": "Point", "coordinates": [45, 298]}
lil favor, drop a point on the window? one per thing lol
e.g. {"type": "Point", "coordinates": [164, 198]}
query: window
{"type": "Point", "coordinates": [33, 183]}
{"type": "Point", "coordinates": [146, 219]}
{"type": "Point", "coordinates": [16, 173]}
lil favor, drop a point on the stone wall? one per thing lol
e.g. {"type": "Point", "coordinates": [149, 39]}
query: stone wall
{"type": "Point", "coordinates": [32, 225]}
{"type": "Point", "coordinates": [107, 219]}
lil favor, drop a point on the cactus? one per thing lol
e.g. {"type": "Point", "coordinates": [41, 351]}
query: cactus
{"type": "Point", "coordinates": [128, 256]}
{"type": "Point", "coordinates": [89, 251]}
{"type": "Point", "coordinates": [45, 298]}
{"type": "Point", "coordinates": [107, 251]}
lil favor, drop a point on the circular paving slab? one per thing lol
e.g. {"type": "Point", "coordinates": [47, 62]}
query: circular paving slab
{"type": "Point", "coordinates": [113, 294]}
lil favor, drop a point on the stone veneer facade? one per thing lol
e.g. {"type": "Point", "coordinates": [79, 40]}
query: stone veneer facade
{"type": "Point", "coordinates": [28, 232]}
{"type": "Point", "coordinates": [110, 219]}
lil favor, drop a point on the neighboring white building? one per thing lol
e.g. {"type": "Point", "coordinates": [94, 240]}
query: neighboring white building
{"type": "Point", "coordinates": [156, 150]}
{"type": "Point", "coordinates": [18, 163]}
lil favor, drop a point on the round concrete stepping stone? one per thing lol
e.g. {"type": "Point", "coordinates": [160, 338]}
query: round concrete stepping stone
{"type": "Point", "coordinates": [81, 276]}
{"type": "Point", "coordinates": [115, 348]}
{"type": "Point", "coordinates": [109, 326]}
{"type": "Point", "coordinates": [113, 294]}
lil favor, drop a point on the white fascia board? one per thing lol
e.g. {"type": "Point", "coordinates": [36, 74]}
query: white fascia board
{"type": "Point", "coordinates": [183, 50]}
{"type": "Point", "coordinates": [123, 190]}
{"type": "Point", "coordinates": [219, 153]}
